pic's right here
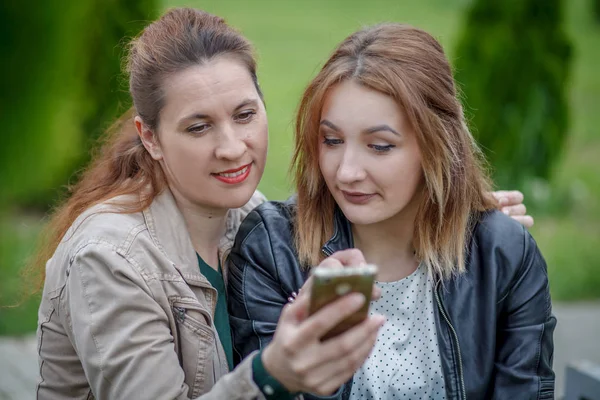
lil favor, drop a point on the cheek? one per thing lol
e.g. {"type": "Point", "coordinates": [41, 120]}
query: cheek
{"type": "Point", "coordinates": [403, 172]}
{"type": "Point", "coordinates": [327, 164]}
{"type": "Point", "coordinates": [257, 137]}
{"type": "Point", "coordinates": [186, 157]}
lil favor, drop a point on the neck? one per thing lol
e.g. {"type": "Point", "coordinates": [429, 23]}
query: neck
{"type": "Point", "coordinates": [206, 227]}
{"type": "Point", "coordinates": [389, 244]}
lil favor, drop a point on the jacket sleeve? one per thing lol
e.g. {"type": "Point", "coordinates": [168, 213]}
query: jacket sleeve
{"type": "Point", "coordinates": [256, 293]}
{"type": "Point", "coordinates": [525, 348]}
{"type": "Point", "coordinates": [122, 335]}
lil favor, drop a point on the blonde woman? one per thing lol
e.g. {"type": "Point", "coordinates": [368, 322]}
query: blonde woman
{"type": "Point", "coordinates": [384, 163]}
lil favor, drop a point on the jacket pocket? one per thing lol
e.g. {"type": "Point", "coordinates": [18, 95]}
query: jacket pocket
{"type": "Point", "coordinates": [195, 346]}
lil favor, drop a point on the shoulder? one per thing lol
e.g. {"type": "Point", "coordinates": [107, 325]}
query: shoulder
{"type": "Point", "coordinates": [503, 248]}
{"type": "Point", "coordinates": [104, 223]}
{"type": "Point", "coordinates": [98, 235]}
{"type": "Point", "coordinates": [265, 238]}
{"type": "Point", "coordinates": [103, 230]}
{"type": "Point", "coordinates": [264, 255]}
{"type": "Point", "coordinates": [271, 217]}
{"type": "Point", "coordinates": [493, 228]}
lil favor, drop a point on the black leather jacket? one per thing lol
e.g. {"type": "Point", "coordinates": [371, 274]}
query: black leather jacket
{"type": "Point", "coordinates": [494, 322]}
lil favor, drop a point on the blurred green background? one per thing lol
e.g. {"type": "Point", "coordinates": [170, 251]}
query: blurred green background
{"type": "Point", "coordinates": [528, 70]}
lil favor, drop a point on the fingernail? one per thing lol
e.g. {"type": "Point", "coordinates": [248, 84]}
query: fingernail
{"type": "Point", "coordinates": [358, 299]}
{"type": "Point", "coordinates": [380, 319]}
{"type": "Point", "coordinates": [506, 211]}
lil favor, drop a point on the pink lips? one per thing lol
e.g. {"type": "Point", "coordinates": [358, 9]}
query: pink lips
{"type": "Point", "coordinates": [357, 197]}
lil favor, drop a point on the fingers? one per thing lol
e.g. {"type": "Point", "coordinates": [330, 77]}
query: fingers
{"type": "Point", "coordinates": [347, 353]}
{"type": "Point", "coordinates": [306, 288]}
{"type": "Point", "coordinates": [297, 311]}
{"type": "Point", "coordinates": [318, 324]}
{"type": "Point", "coordinates": [376, 294]}
{"type": "Point", "coordinates": [526, 221]}
{"type": "Point", "coordinates": [513, 211]}
{"type": "Point", "coordinates": [331, 262]}
{"type": "Point", "coordinates": [350, 257]}
{"type": "Point", "coordinates": [508, 197]}
{"type": "Point", "coordinates": [346, 343]}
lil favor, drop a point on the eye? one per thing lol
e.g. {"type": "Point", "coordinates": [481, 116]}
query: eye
{"type": "Point", "coordinates": [197, 129]}
{"type": "Point", "coordinates": [382, 148]}
{"type": "Point", "coordinates": [245, 116]}
{"type": "Point", "coordinates": [332, 142]}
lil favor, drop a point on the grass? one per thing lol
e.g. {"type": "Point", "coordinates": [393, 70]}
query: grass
{"type": "Point", "coordinates": [294, 38]}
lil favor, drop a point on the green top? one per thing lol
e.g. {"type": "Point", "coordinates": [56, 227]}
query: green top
{"type": "Point", "coordinates": [271, 389]}
{"type": "Point", "coordinates": [221, 315]}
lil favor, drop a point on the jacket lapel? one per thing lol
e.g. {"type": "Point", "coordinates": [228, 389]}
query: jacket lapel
{"type": "Point", "coordinates": [168, 231]}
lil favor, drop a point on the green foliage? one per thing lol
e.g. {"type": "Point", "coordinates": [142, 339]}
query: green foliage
{"type": "Point", "coordinates": [113, 25]}
{"type": "Point", "coordinates": [17, 238]}
{"type": "Point", "coordinates": [596, 9]}
{"type": "Point", "coordinates": [61, 87]}
{"type": "Point", "coordinates": [512, 63]}
{"type": "Point", "coordinates": [38, 104]}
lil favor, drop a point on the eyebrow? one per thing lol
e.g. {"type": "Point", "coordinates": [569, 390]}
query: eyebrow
{"type": "Point", "coordinates": [330, 125]}
{"type": "Point", "coordinates": [378, 128]}
{"type": "Point", "coordinates": [244, 103]}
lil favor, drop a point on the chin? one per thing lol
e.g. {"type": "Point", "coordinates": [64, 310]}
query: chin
{"type": "Point", "coordinates": [238, 197]}
{"type": "Point", "coordinates": [364, 216]}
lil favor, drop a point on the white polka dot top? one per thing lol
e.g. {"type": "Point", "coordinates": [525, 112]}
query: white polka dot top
{"type": "Point", "coordinates": [405, 362]}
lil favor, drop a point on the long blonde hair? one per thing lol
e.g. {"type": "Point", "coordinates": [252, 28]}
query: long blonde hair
{"type": "Point", "coordinates": [410, 66]}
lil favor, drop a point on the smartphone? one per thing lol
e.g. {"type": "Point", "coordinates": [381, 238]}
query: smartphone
{"type": "Point", "coordinates": [329, 284]}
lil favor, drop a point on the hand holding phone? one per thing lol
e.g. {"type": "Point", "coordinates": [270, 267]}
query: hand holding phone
{"type": "Point", "coordinates": [329, 284]}
{"type": "Point", "coordinates": [298, 357]}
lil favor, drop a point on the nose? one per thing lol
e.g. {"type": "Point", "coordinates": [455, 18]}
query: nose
{"type": "Point", "coordinates": [350, 169]}
{"type": "Point", "coordinates": [231, 145]}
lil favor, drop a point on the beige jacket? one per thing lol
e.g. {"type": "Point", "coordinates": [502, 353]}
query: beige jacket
{"type": "Point", "coordinates": [126, 313]}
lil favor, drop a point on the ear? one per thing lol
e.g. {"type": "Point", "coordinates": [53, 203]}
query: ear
{"type": "Point", "coordinates": [149, 139]}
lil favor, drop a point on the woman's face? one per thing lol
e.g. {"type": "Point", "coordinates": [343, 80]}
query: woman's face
{"type": "Point", "coordinates": [368, 154]}
{"type": "Point", "coordinates": [212, 134]}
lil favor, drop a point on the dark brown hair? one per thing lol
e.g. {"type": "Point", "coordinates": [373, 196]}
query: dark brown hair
{"type": "Point", "coordinates": [410, 66]}
{"type": "Point", "coordinates": [181, 38]}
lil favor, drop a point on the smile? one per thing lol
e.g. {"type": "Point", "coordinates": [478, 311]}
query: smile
{"type": "Point", "coordinates": [234, 176]}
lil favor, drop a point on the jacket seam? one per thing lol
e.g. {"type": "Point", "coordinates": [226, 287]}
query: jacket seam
{"type": "Point", "coordinates": [245, 269]}
{"type": "Point", "coordinates": [519, 272]}
{"type": "Point", "coordinates": [84, 286]}
{"type": "Point", "coordinates": [41, 367]}
{"type": "Point", "coordinates": [454, 362]}
{"type": "Point", "coordinates": [87, 303]}
{"type": "Point", "coordinates": [537, 361]}
{"type": "Point", "coordinates": [125, 246]}
{"type": "Point", "coordinates": [278, 275]}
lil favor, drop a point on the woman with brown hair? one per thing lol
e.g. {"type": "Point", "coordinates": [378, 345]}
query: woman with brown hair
{"type": "Point", "coordinates": [134, 304]}
{"type": "Point", "coordinates": [385, 163]}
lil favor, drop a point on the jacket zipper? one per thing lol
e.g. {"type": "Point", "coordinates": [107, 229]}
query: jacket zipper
{"type": "Point", "coordinates": [326, 251]}
{"type": "Point", "coordinates": [460, 366]}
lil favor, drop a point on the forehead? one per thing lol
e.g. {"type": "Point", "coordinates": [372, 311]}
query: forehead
{"type": "Point", "coordinates": [219, 83]}
{"type": "Point", "coordinates": [351, 103]}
